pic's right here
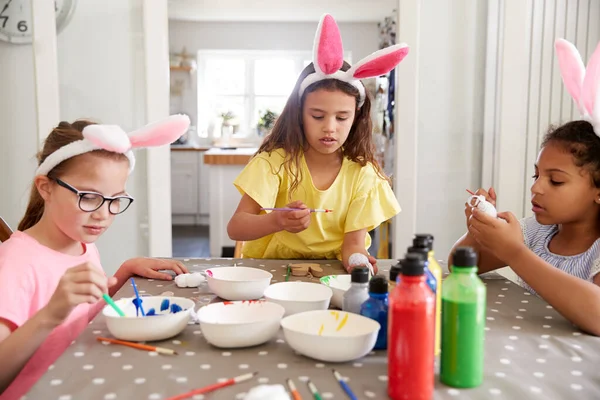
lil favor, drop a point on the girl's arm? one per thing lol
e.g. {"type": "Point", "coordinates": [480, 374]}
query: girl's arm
{"type": "Point", "coordinates": [146, 267]}
{"type": "Point", "coordinates": [18, 347]}
{"type": "Point", "coordinates": [246, 223]}
{"type": "Point", "coordinates": [354, 242]}
{"type": "Point", "coordinates": [486, 261]}
{"type": "Point", "coordinates": [81, 284]}
{"type": "Point", "coordinates": [575, 299]}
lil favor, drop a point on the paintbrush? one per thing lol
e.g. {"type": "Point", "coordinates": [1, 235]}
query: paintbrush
{"type": "Point", "coordinates": [344, 385]}
{"type": "Point", "coordinates": [314, 391]}
{"type": "Point", "coordinates": [160, 350]}
{"type": "Point", "coordinates": [214, 386]}
{"type": "Point", "coordinates": [138, 302]}
{"type": "Point", "coordinates": [293, 390]}
{"type": "Point", "coordinates": [110, 302]}
{"type": "Point", "coordinates": [325, 210]}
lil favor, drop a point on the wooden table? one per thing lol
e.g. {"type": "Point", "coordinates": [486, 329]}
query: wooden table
{"type": "Point", "coordinates": [531, 352]}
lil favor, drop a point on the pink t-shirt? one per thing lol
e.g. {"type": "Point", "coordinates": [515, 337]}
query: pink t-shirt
{"type": "Point", "coordinates": [29, 274]}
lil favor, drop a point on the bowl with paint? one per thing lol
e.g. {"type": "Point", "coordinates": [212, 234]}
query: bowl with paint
{"type": "Point", "coordinates": [238, 283]}
{"type": "Point", "coordinates": [234, 324]}
{"type": "Point", "coordinates": [298, 297]}
{"type": "Point", "coordinates": [338, 284]}
{"type": "Point", "coordinates": [164, 317]}
{"type": "Point", "coordinates": [330, 335]}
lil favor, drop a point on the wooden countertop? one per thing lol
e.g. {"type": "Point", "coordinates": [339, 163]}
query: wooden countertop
{"type": "Point", "coordinates": [189, 148]}
{"type": "Point", "coordinates": [239, 156]}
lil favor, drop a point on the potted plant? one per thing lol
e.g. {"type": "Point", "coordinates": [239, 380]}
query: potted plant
{"type": "Point", "coordinates": [266, 122]}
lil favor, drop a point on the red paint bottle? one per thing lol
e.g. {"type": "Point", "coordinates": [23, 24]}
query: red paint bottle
{"type": "Point", "coordinates": [411, 334]}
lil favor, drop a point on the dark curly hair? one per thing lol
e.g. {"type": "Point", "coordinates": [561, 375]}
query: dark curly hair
{"type": "Point", "coordinates": [579, 139]}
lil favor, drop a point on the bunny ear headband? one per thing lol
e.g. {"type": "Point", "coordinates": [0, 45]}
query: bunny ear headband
{"type": "Point", "coordinates": [582, 84]}
{"type": "Point", "coordinates": [328, 58]}
{"type": "Point", "coordinates": [113, 138]}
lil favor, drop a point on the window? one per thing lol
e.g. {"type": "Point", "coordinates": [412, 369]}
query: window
{"type": "Point", "coordinates": [245, 83]}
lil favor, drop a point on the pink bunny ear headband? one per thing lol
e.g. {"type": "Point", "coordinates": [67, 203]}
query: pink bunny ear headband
{"type": "Point", "coordinates": [328, 58]}
{"type": "Point", "coordinates": [583, 84]}
{"type": "Point", "coordinates": [113, 138]}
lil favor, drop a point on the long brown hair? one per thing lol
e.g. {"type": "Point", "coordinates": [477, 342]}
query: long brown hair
{"type": "Point", "coordinates": [288, 133]}
{"type": "Point", "coordinates": [60, 136]}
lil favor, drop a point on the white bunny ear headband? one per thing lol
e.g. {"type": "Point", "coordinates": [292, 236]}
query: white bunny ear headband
{"type": "Point", "coordinates": [583, 84]}
{"type": "Point", "coordinates": [328, 58]}
{"type": "Point", "coordinates": [113, 138]}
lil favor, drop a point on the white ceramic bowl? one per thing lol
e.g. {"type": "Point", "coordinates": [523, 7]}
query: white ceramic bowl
{"type": "Point", "coordinates": [238, 283]}
{"type": "Point", "coordinates": [161, 326]}
{"type": "Point", "coordinates": [329, 335]}
{"type": "Point", "coordinates": [298, 297]}
{"type": "Point", "coordinates": [240, 323]}
{"type": "Point", "coordinates": [338, 284]}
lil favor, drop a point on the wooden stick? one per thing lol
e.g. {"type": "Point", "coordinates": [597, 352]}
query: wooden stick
{"type": "Point", "coordinates": [139, 346]}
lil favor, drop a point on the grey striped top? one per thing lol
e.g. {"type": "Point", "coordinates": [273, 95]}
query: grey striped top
{"type": "Point", "coordinates": [537, 236]}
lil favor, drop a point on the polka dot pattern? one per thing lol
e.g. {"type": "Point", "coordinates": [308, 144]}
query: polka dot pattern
{"type": "Point", "coordinates": [522, 333]}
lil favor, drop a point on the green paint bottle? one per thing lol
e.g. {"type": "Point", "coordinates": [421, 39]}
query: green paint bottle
{"type": "Point", "coordinates": [463, 322]}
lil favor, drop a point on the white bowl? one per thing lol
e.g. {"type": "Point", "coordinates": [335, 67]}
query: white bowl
{"type": "Point", "coordinates": [329, 335]}
{"type": "Point", "coordinates": [240, 323]}
{"type": "Point", "coordinates": [161, 326]}
{"type": "Point", "coordinates": [298, 297]}
{"type": "Point", "coordinates": [339, 284]}
{"type": "Point", "coordinates": [238, 283]}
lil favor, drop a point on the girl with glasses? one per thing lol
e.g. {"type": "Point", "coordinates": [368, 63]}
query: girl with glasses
{"type": "Point", "coordinates": [51, 280]}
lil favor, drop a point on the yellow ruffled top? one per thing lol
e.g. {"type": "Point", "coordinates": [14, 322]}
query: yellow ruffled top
{"type": "Point", "coordinates": [359, 198]}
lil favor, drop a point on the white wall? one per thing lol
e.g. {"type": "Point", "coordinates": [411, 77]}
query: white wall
{"type": "Point", "coordinates": [18, 135]}
{"type": "Point", "coordinates": [359, 38]}
{"type": "Point", "coordinates": [101, 76]}
{"type": "Point", "coordinates": [451, 90]}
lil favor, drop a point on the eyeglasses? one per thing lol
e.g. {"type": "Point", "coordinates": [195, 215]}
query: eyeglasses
{"type": "Point", "coordinates": [91, 201]}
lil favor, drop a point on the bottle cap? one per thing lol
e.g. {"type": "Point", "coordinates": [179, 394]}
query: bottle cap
{"type": "Point", "coordinates": [378, 285]}
{"type": "Point", "coordinates": [464, 257]}
{"type": "Point", "coordinates": [424, 240]}
{"type": "Point", "coordinates": [421, 251]}
{"type": "Point", "coordinates": [359, 274]}
{"type": "Point", "coordinates": [412, 265]}
{"type": "Point", "coordinates": [394, 272]}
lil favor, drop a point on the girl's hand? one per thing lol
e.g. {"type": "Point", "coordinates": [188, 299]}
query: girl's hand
{"type": "Point", "coordinates": [149, 267]}
{"type": "Point", "coordinates": [81, 284]}
{"type": "Point", "coordinates": [372, 261]}
{"type": "Point", "coordinates": [293, 221]}
{"type": "Point", "coordinates": [490, 196]}
{"type": "Point", "coordinates": [501, 236]}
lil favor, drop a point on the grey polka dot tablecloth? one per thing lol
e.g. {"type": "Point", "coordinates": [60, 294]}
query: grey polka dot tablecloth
{"type": "Point", "coordinates": [531, 352]}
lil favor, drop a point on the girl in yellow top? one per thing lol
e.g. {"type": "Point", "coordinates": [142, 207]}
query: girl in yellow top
{"type": "Point", "coordinates": [319, 155]}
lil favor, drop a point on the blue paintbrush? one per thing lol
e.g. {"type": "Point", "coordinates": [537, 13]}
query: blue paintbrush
{"type": "Point", "coordinates": [138, 300]}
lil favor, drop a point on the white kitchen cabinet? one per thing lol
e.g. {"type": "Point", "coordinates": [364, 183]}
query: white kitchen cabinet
{"type": "Point", "coordinates": [189, 188]}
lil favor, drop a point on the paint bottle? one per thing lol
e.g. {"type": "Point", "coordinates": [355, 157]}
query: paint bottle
{"type": "Point", "coordinates": [394, 273]}
{"type": "Point", "coordinates": [376, 307]}
{"type": "Point", "coordinates": [424, 255]}
{"type": "Point", "coordinates": [411, 334]}
{"type": "Point", "coordinates": [463, 322]}
{"type": "Point", "coordinates": [425, 241]}
{"type": "Point", "coordinates": [359, 290]}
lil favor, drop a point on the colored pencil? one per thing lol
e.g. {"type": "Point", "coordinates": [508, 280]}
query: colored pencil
{"type": "Point", "coordinates": [287, 273]}
{"type": "Point", "coordinates": [293, 390]}
{"type": "Point", "coordinates": [470, 192]}
{"type": "Point", "coordinates": [137, 295]}
{"type": "Point", "coordinates": [110, 302]}
{"type": "Point", "coordinates": [325, 210]}
{"type": "Point", "coordinates": [344, 385]}
{"type": "Point", "coordinates": [314, 391]}
{"type": "Point", "coordinates": [139, 346]}
{"type": "Point", "coordinates": [214, 386]}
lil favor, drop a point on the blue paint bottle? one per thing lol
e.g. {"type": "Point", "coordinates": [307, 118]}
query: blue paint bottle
{"type": "Point", "coordinates": [376, 308]}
